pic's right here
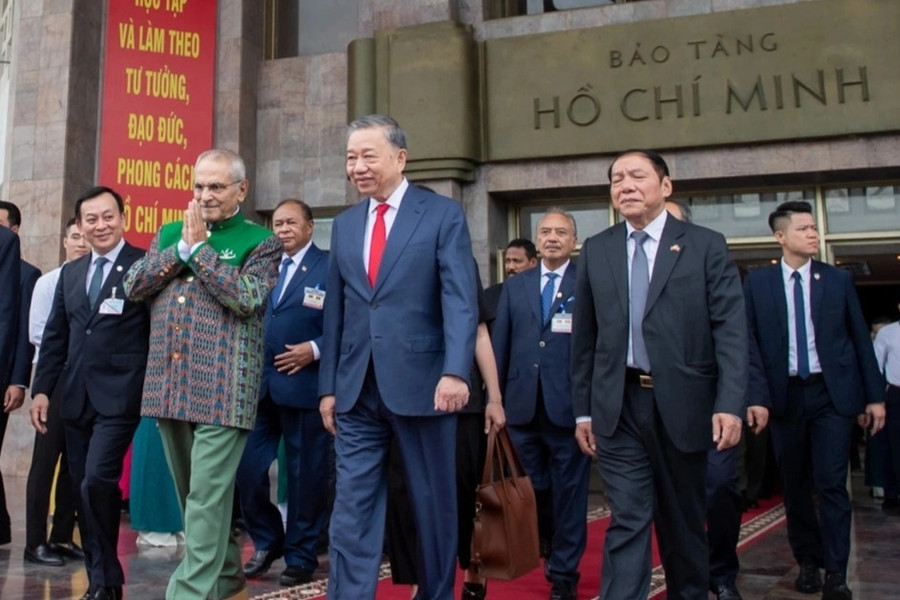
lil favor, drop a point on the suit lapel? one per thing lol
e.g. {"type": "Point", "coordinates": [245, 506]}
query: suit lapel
{"type": "Point", "coordinates": [615, 252]}
{"type": "Point", "coordinates": [779, 299]}
{"type": "Point", "coordinates": [531, 281]}
{"type": "Point", "coordinates": [670, 248]}
{"type": "Point", "coordinates": [816, 291]}
{"type": "Point", "coordinates": [354, 238]}
{"type": "Point", "coordinates": [412, 208]}
{"type": "Point", "coordinates": [79, 275]}
{"type": "Point", "coordinates": [311, 257]}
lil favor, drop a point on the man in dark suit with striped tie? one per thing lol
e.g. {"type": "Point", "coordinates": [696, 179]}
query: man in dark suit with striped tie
{"type": "Point", "coordinates": [95, 346]}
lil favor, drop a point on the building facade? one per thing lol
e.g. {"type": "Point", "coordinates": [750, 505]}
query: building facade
{"type": "Point", "coordinates": [511, 106]}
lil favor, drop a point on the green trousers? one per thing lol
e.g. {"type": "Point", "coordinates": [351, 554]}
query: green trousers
{"type": "Point", "coordinates": [203, 460]}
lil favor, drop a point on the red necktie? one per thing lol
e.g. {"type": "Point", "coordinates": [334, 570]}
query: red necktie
{"type": "Point", "coordinates": [379, 237]}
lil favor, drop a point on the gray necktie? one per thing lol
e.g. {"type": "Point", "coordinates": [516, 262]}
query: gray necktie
{"type": "Point", "coordinates": [96, 280]}
{"type": "Point", "coordinates": [640, 283]}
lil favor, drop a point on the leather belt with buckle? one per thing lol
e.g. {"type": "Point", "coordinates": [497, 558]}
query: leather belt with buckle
{"type": "Point", "coordinates": [638, 377]}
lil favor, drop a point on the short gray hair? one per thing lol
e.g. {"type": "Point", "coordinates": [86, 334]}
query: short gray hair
{"type": "Point", "coordinates": [555, 210]}
{"type": "Point", "coordinates": [238, 169]}
{"type": "Point", "coordinates": [392, 130]}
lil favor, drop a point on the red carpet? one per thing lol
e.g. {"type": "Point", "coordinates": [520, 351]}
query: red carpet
{"type": "Point", "coordinates": [756, 524]}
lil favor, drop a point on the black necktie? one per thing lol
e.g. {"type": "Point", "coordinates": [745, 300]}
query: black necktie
{"type": "Point", "coordinates": [800, 324]}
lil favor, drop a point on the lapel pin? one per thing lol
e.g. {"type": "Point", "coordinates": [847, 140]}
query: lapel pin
{"type": "Point", "coordinates": [816, 276]}
{"type": "Point", "coordinates": [675, 248]}
{"type": "Point", "coordinates": [559, 294]}
{"type": "Point", "coordinates": [119, 268]}
{"type": "Point", "coordinates": [303, 268]}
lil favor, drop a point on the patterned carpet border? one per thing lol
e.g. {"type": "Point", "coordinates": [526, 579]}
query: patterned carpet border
{"type": "Point", "coordinates": [750, 531]}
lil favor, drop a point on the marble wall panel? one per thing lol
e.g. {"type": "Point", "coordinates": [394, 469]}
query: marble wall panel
{"type": "Point", "coordinates": [56, 40]}
{"type": "Point", "coordinates": [21, 167]}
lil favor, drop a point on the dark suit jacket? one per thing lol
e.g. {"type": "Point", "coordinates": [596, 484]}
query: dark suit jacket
{"type": "Point", "coordinates": [694, 327]}
{"type": "Point", "coordinates": [418, 323]}
{"type": "Point", "coordinates": [289, 322]}
{"type": "Point", "coordinates": [10, 269]}
{"type": "Point", "coordinates": [21, 370]}
{"type": "Point", "coordinates": [96, 357]}
{"type": "Point", "coordinates": [842, 336]}
{"type": "Point", "coordinates": [528, 352]}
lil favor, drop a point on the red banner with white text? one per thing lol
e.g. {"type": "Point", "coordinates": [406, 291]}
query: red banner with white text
{"type": "Point", "coordinates": [157, 115]}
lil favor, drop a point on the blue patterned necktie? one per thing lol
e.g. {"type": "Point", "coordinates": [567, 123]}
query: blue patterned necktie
{"type": "Point", "coordinates": [640, 284]}
{"type": "Point", "coordinates": [547, 296]}
{"type": "Point", "coordinates": [282, 280]}
{"type": "Point", "coordinates": [800, 323]}
{"type": "Point", "coordinates": [96, 280]}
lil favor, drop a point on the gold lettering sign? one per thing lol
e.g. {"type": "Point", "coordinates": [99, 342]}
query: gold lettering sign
{"type": "Point", "coordinates": [811, 69]}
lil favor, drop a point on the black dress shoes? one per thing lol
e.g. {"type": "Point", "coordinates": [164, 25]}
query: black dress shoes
{"type": "Point", "coordinates": [809, 581]}
{"type": "Point", "coordinates": [103, 593]}
{"type": "Point", "coordinates": [835, 588]}
{"type": "Point", "coordinates": [294, 575]}
{"type": "Point", "coordinates": [67, 549]}
{"type": "Point", "coordinates": [43, 555]}
{"type": "Point", "coordinates": [260, 562]}
{"type": "Point", "coordinates": [563, 590]}
{"type": "Point", "coordinates": [726, 592]}
{"type": "Point", "coordinates": [107, 593]}
{"type": "Point", "coordinates": [474, 591]}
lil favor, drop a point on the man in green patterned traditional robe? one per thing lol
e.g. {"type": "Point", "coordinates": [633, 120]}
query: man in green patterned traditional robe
{"type": "Point", "coordinates": [208, 278]}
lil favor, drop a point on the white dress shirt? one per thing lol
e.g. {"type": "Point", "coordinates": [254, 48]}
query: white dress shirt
{"type": "Point", "coordinates": [41, 304]}
{"type": "Point", "coordinates": [887, 351]}
{"type": "Point", "coordinates": [654, 231]}
{"type": "Point", "coordinates": [805, 275]}
{"type": "Point", "coordinates": [394, 202]}
{"type": "Point", "coordinates": [111, 257]}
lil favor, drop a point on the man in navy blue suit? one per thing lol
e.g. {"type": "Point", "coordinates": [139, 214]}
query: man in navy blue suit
{"type": "Point", "coordinates": [10, 270]}
{"type": "Point", "coordinates": [400, 320]}
{"type": "Point", "coordinates": [288, 407]}
{"type": "Point", "coordinates": [821, 373]}
{"type": "Point", "coordinates": [532, 339]}
{"type": "Point", "coordinates": [20, 374]}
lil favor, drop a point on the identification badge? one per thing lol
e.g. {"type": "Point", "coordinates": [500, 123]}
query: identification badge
{"type": "Point", "coordinates": [561, 323]}
{"type": "Point", "coordinates": [112, 305]}
{"type": "Point", "coordinates": [313, 298]}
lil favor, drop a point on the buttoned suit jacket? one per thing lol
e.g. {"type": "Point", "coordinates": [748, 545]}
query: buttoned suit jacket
{"type": "Point", "coordinates": [10, 271]}
{"type": "Point", "coordinates": [417, 323]}
{"type": "Point", "coordinates": [290, 322]}
{"type": "Point", "coordinates": [529, 353]}
{"type": "Point", "coordinates": [842, 339]}
{"type": "Point", "coordinates": [97, 358]}
{"type": "Point", "coordinates": [694, 327]}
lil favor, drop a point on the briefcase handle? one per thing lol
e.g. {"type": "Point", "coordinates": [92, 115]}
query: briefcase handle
{"type": "Point", "coordinates": [502, 461]}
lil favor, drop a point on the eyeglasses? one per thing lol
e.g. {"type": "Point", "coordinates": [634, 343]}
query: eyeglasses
{"type": "Point", "coordinates": [214, 188]}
